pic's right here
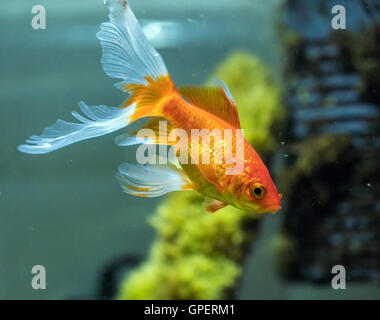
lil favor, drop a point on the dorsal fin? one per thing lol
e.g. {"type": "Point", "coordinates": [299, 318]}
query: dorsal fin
{"type": "Point", "coordinates": [216, 100]}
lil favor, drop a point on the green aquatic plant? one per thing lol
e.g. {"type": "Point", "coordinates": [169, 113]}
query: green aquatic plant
{"type": "Point", "coordinates": [197, 255]}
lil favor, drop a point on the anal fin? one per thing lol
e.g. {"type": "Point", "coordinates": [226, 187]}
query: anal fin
{"type": "Point", "coordinates": [152, 180]}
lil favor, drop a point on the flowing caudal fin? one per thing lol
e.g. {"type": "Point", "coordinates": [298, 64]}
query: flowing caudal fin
{"type": "Point", "coordinates": [128, 56]}
{"type": "Point", "coordinates": [101, 120]}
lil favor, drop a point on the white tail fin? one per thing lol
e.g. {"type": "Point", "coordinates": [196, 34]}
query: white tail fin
{"type": "Point", "coordinates": [127, 55]}
{"type": "Point", "coordinates": [102, 120]}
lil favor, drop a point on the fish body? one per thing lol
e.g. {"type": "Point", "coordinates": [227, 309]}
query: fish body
{"type": "Point", "coordinates": [217, 161]}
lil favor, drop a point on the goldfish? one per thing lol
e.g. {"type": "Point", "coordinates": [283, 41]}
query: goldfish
{"type": "Point", "coordinates": [227, 171]}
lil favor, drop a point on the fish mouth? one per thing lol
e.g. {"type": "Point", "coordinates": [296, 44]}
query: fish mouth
{"type": "Point", "coordinates": [274, 209]}
{"type": "Point", "coordinates": [271, 209]}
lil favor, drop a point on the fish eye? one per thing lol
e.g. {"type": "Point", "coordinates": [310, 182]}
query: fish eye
{"type": "Point", "coordinates": [257, 191]}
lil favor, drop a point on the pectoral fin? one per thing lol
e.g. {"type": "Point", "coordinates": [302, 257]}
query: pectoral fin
{"type": "Point", "coordinates": [211, 205]}
{"type": "Point", "coordinates": [208, 172]}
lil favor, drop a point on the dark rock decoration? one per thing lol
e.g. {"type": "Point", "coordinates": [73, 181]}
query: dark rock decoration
{"type": "Point", "coordinates": [332, 178]}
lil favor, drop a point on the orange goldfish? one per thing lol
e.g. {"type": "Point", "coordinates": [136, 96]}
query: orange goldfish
{"type": "Point", "coordinates": [226, 170]}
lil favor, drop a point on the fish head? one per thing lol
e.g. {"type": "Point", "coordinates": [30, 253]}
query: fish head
{"type": "Point", "coordinates": [259, 194]}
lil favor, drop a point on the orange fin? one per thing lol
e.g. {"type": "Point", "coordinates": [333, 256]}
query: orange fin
{"type": "Point", "coordinates": [209, 173]}
{"type": "Point", "coordinates": [216, 100]}
{"type": "Point", "coordinates": [161, 127]}
{"type": "Point", "coordinates": [147, 97]}
{"type": "Point", "coordinates": [211, 205]}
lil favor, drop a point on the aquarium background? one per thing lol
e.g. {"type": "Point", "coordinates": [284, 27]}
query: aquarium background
{"type": "Point", "coordinates": [66, 211]}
